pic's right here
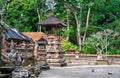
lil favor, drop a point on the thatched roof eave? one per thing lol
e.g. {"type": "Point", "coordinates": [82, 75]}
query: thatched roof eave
{"type": "Point", "coordinates": [52, 21]}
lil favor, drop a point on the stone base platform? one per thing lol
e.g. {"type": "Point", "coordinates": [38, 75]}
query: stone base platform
{"type": "Point", "coordinates": [102, 62]}
{"type": "Point", "coordinates": [4, 75]}
{"type": "Point", "coordinates": [58, 64]}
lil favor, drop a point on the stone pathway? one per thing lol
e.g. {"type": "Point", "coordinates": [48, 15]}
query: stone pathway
{"type": "Point", "coordinates": [83, 71]}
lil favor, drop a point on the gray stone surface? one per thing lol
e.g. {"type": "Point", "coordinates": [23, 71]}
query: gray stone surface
{"type": "Point", "coordinates": [82, 71]}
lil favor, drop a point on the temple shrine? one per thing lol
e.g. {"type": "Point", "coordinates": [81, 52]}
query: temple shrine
{"type": "Point", "coordinates": [55, 55]}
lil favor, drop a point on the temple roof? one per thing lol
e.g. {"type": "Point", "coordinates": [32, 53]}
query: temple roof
{"type": "Point", "coordinates": [35, 35]}
{"type": "Point", "coordinates": [14, 34]}
{"type": "Point", "coordinates": [52, 21]}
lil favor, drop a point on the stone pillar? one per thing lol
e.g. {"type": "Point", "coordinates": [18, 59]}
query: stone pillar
{"type": "Point", "coordinates": [99, 56]}
{"type": "Point", "coordinates": [54, 52]}
{"type": "Point", "coordinates": [25, 51]}
{"type": "Point", "coordinates": [77, 55]}
{"type": "Point", "coordinates": [12, 44]}
{"type": "Point", "coordinates": [35, 52]}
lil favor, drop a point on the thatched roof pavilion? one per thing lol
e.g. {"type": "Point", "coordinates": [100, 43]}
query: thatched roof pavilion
{"type": "Point", "coordinates": [52, 21]}
{"type": "Point", "coordinates": [52, 25]}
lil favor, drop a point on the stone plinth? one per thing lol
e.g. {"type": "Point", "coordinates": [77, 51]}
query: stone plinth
{"type": "Point", "coordinates": [102, 62]}
{"type": "Point", "coordinates": [4, 75]}
{"type": "Point", "coordinates": [55, 55]}
{"type": "Point", "coordinates": [7, 70]}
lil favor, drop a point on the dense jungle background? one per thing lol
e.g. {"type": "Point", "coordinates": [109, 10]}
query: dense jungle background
{"type": "Point", "coordinates": [92, 25]}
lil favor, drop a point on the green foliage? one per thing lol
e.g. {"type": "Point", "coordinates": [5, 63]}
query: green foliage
{"type": "Point", "coordinates": [114, 47]}
{"type": "Point", "coordinates": [105, 42]}
{"type": "Point", "coordinates": [88, 49]}
{"type": "Point", "coordinates": [66, 46]}
{"type": "Point", "coordinates": [72, 34]}
{"type": "Point", "coordinates": [113, 50]}
{"type": "Point", "coordinates": [115, 25]}
{"type": "Point", "coordinates": [22, 15]}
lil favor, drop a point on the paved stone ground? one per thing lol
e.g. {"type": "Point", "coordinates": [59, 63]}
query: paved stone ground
{"type": "Point", "coordinates": [82, 71]}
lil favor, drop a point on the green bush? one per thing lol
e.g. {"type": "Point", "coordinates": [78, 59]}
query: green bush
{"type": "Point", "coordinates": [113, 50]}
{"type": "Point", "coordinates": [66, 46]}
{"type": "Point", "coordinates": [88, 49]}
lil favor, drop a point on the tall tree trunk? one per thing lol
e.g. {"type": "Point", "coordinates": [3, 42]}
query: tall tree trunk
{"type": "Point", "coordinates": [38, 13]}
{"type": "Point", "coordinates": [78, 31]}
{"type": "Point", "coordinates": [87, 24]}
{"type": "Point", "coordinates": [68, 27]}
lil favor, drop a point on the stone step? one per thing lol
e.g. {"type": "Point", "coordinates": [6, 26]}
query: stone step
{"type": "Point", "coordinates": [4, 75]}
{"type": "Point", "coordinates": [55, 60]}
{"type": "Point", "coordinates": [58, 64]}
{"type": "Point", "coordinates": [102, 62]}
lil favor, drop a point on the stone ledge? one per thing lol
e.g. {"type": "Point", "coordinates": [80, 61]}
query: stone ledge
{"type": "Point", "coordinates": [102, 62]}
{"type": "Point", "coordinates": [4, 75]}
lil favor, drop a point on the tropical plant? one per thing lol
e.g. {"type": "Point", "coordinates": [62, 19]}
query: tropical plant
{"type": "Point", "coordinates": [101, 40]}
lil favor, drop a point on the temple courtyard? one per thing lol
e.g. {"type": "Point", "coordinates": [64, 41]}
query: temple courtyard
{"type": "Point", "coordinates": [76, 70]}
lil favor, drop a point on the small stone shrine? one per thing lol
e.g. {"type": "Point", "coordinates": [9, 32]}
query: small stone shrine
{"type": "Point", "coordinates": [54, 51]}
{"type": "Point", "coordinates": [41, 49]}
{"type": "Point", "coordinates": [29, 50]}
